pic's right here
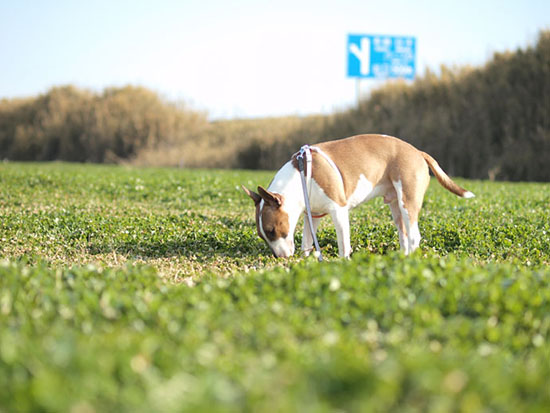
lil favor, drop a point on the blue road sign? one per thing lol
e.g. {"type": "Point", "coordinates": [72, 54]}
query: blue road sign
{"type": "Point", "coordinates": [381, 56]}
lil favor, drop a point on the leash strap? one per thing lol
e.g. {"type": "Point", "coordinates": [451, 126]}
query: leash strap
{"type": "Point", "coordinates": [305, 152]}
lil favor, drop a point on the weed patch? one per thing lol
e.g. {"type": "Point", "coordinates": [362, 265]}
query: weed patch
{"type": "Point", "coordinates": [126, 289]}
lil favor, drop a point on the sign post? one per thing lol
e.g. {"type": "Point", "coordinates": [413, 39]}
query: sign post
{"type": "Point", "coordinates": [380, 57]}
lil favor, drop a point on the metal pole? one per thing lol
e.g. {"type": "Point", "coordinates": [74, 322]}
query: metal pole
{"type": "Point", "coordinates": [358, 90]}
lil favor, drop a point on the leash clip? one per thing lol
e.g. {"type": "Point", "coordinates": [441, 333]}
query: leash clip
{"type": "Point", "coordinates": [300, 159]}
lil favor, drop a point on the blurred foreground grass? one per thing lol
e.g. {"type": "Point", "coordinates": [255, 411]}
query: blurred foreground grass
{"type": "Point", "coordinates": [127, 289]}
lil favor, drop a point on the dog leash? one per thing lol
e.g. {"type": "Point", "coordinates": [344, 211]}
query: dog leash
{"type": "Point", "coordinates": [305, 152]}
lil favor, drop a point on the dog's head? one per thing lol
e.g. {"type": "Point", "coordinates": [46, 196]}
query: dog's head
{"type": "Point", "coordinates": [272, 221]}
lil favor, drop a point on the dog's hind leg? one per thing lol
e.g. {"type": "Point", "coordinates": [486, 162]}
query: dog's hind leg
{"type": "Point", "coordinates": [405, 215]}
{"type": "Point", "coordinates": [414, 238]}
{"type": "Point", "coordinates": [398, 220]}
{"type": "Point", "coordinates": [409, 202]}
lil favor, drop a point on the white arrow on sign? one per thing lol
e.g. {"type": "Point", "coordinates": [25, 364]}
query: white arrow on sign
{"type": "Point", "coordinates": [363, 54]}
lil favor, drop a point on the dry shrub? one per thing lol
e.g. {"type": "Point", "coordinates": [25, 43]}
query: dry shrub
{"type": "Point", "coordinates": [487, 122]}
{"type": "Point", "coordinates": [76, 125]}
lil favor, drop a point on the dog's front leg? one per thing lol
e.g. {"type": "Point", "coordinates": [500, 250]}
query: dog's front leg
{"type": "Point", "coordinates": [340, 217]}
{"type": "Point", "coordinates": [307, 237]}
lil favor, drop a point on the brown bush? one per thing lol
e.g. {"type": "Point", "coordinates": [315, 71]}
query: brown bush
{"type": "Point", "coordinates": [488, 122]}
{"type": "Point", "coordinates": [76, 125]}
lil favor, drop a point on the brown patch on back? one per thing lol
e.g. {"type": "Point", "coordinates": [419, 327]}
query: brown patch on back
{"type": "Point", "coordinates": [326, 177]}
{"type": "Point", "coordinates": [381, 159]}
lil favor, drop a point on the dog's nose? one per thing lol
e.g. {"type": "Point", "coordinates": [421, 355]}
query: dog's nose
{"type": "Point", "coordinates": [284, 253]}
{"type": "Point", "coordinates": [282, 248]}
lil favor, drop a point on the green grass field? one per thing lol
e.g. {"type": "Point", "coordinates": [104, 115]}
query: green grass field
{"type": "Point", "coordinates": [129, 290]}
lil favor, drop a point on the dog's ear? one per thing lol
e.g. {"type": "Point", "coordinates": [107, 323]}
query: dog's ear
{"type": "Point", "coordinates": [255, 197]}
{"type": "Point", "coordinates": [271, 198]}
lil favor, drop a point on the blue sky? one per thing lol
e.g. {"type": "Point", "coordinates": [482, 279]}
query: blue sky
{"type": "Point", "coordinates": [243, 58]}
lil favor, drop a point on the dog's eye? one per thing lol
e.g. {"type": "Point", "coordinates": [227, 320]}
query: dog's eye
{"type": "Point", "coordinates": [271, 233]}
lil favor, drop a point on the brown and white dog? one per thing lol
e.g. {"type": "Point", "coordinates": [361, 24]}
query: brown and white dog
{"type": "Point", "coordinates": [344, 174]}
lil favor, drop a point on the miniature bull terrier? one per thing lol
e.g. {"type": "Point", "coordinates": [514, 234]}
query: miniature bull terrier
{"type": "Point", "coordinates": [343, 174]}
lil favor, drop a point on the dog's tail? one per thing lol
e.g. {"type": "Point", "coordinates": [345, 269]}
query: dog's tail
{"type": "Point", "coordinates": [444, 179]}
